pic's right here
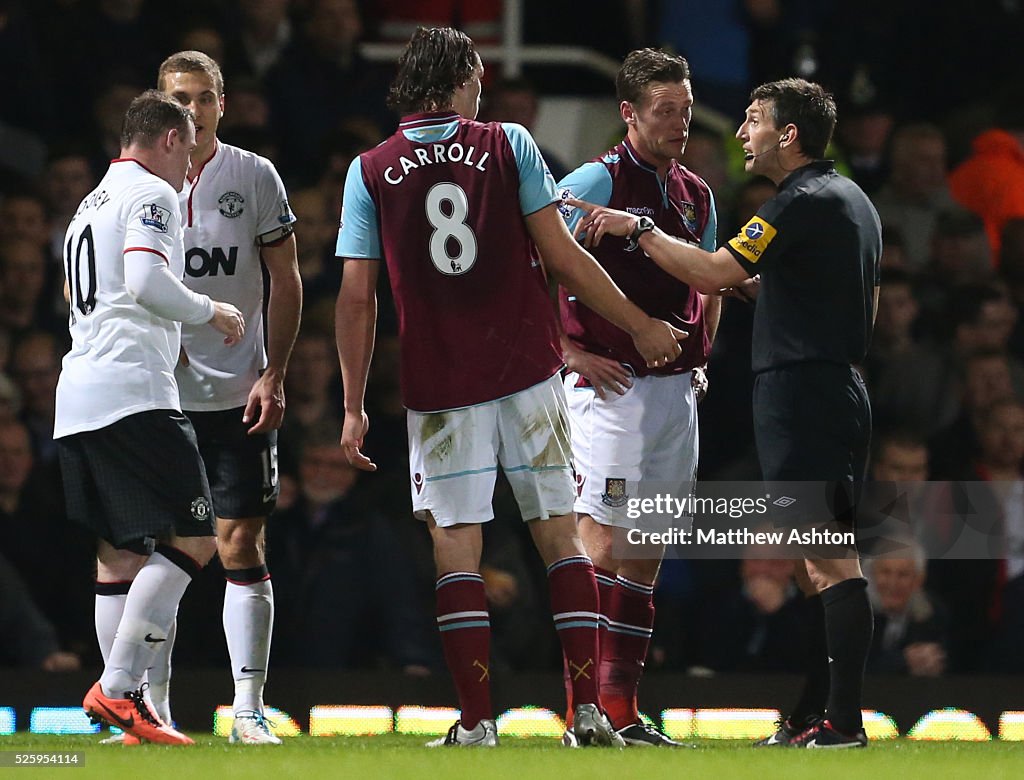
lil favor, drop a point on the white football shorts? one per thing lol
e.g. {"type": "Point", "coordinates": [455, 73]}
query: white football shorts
{"type": "Point", "coordinates": [638, 444]}
{"type": "Point", "coordinates": [454, 456]}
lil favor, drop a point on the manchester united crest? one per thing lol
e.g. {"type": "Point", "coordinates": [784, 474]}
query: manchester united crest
{"type": "Point", "coordinates": [231, 204]}
{"type": "Point", "coordinates": [201, 509]}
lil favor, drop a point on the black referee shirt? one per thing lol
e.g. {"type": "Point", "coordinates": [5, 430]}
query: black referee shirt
{"type": "Point", "coordinates": [817, 246]}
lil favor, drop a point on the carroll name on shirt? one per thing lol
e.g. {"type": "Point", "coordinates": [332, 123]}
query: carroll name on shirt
{"type": "Point", "coordinates": [438, 153]}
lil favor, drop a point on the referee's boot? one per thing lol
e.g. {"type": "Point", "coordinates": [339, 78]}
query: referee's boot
{"type": "Point", "coordinates": [786, 730]}
{"type": "Point", "coordinates": [823, 735]}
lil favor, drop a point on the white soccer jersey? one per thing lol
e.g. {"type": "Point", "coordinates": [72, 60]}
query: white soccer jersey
{"type": "Point", "coordinates": [235, 204]}
{"type": "Point", "coordinates": [122, 357]}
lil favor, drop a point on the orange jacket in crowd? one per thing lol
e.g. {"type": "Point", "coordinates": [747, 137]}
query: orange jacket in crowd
{"type": "Point", "coordinates": [991, 182]}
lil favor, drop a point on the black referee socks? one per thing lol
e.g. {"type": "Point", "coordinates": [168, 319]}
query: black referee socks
{"type": "Point", "coordinates": [816, 684]}
{"type": "Point", "coordinates": [848, 625]}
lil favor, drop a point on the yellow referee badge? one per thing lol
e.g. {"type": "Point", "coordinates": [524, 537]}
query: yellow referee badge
{"type": "Point", "coordinates": [753, 239]}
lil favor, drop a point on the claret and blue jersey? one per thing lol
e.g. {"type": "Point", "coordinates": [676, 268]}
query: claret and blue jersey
{"type": "Point", "coordinates": [442, 201]}
{"type": "Point", "coordinates": [681, 204]}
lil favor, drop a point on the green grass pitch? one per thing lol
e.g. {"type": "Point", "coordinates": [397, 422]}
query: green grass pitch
{"type": "Point", "coordinates": [397, 757]}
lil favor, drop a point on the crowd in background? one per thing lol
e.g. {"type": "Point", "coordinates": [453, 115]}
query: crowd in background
{"type": "Point", "coordinates": [931, 125]}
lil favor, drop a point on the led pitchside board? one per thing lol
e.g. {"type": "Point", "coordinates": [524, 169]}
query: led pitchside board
{"type": "Point", "coordinates": [329, 720]}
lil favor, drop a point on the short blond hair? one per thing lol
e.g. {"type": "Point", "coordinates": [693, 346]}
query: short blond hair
{"type": "Point", "coordinates": [192, 62]}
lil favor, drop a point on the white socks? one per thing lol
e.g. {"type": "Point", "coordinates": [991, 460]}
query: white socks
{"type": "Point", "coordinates": [159, 676]}
{"type": "Point", "coordinates": [109, 608]}
{"type": "Point", "coordinates": [248, 623]}
{"type": "Point", "coordinates": [149, 611]}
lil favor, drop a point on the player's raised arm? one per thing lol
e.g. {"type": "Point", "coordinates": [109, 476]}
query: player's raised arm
{"type": "Point", "coordinates": [578, 272]}
{"type": "Point", "coordinates": [706, 272]}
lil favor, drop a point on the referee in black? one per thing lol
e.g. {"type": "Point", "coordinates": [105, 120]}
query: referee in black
{"type": "Point", "coordinates": [816, 247]}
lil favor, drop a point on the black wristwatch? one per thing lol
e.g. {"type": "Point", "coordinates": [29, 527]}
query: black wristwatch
{"type": "Point", "coordinates": [643, 225]}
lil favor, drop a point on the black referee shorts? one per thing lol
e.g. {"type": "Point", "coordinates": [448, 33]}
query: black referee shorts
{"type": "Point", "coordinates": [242, 469]}
{"type": "Point", "coordinates": [138, 479]}
{"type": "Point", "coordinates": [812, 424]}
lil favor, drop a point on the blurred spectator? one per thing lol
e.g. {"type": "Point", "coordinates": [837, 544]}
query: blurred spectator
{"type": "Point", "coordinates": [35, 366]}
{"type": "Point", "coordinates": [6, 347]}
{"type": "Point", "coordinates": [320, 81]}
{"type": "Point", "coordinates": [108, 107]}
{"type": "Point", "coordinates": [346, 574]}
{"type": "Point", "coordinates": [315, 236]}
{"type": "Point", "coordinates": [755, 626]}
{"type": "Point", "coordinates": [313, 388]}
{"type": "Point", "coordinates": [986, 596]}
{"type": "Point", "coordinates": [912, 382]}
{"type": "Point", "coordinates": [68, 179]}
{"type": "Point", "coordinates": [258, 140]}
{"type": "Point", "coordinates": [262, 31]}
{"type": "Point", "coordinates": [340, 147]}
{"type": "Point", "coordinates": [865, 124]}
{"type": "Point", "coordinates": [893, 345]}
{"type": "Point", "coordinates": [1011, 271]}
{"type": "Point", "coordinates": [991, 182]}
{"type": "Point", "coordinates": [30, 640]}
{"type": "Point", "coordinates": [910, 625]}
{"type": "Point", "coordinates": [960, 257]}
{"type": "Point", "coordinates": [23, 217]}
{"type": "Point", "coordinates": [1000, 459]}
{"type": "Point", "coordinates": [515, 100]}
{"type": "Point", "coordinates": [916, 191]}
{"type": "Point", "coordinates": [960, 253]}
{"type": "Point", "coordinates": [896, 503]}
{"type": "Point", "coordinates": [677, 599]}
{"type": "Point", "coordinates": [751, 196]}
{"type": "Point", "coordinates": [897, 310]}
{"type": "Point", "coordinates": [894, 253]}
{"type": "Point", "coordinates": [706, 156]}
{"type": "Point", "coordinates": [202, 35]}
{"type": "Point", "coordinates": [1001, 463]}
{"type": "Point", "coordinates": [983, 318]}
{"type": "Point", "coordinates": [899, 456]}
{"type": "Point", "coordinates": [10, 399]}
{"type": "Point", "coordinates": [930, 386]}
{"type": "Point", "coordinates": [40, 541]}
{"type": "Point", "coordinates": [987, 378]}
{"type": "Point", "coordinates": [24, 302]}
{"type": "Point", "coordinates": [249, 107]}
